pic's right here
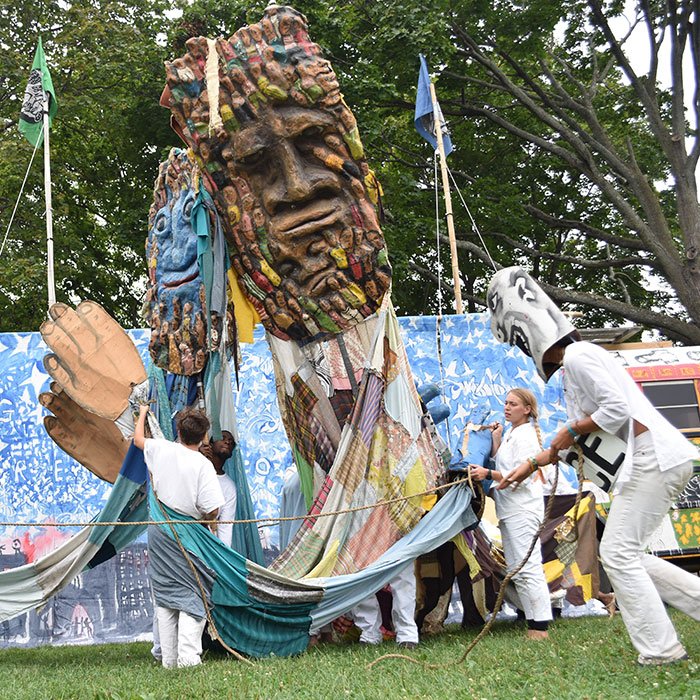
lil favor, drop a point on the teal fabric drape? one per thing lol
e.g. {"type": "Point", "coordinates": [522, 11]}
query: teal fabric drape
{"type": "Point", "coordinates": [260, 612]}
{"type": "Point", "coordinates": [246, 537]}
{"type": "Point", "coordinates": [255, 611]}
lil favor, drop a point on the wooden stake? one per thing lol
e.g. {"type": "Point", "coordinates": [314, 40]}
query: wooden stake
{"type": "Point", "coordinates": [448, 203]}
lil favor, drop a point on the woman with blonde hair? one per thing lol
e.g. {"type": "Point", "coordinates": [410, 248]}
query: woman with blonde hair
{"type": "Point", "coordinates": [520, 511]}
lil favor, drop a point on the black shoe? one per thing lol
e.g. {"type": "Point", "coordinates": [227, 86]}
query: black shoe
{"type": "Point", "coordinates": [408, 645]}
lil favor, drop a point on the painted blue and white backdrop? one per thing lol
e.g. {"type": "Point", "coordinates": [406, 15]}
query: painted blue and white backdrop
{"type": "Point", "coordinates": [39, 483]}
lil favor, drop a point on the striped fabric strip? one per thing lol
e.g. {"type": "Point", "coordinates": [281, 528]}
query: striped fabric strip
{"type": "Point", "coordinates": [368, 406]}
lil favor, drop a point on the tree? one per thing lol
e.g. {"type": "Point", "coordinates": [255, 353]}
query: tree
{"type": "Point", "coordinates": [608, 128]}
{"type": "Point", "coordinates": [573, 162]}
{"type": "Point", "coordinates": [106, 142]}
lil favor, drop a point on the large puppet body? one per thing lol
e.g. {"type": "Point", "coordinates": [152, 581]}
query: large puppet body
{"type": "Point", "coordinates": [282, 157]}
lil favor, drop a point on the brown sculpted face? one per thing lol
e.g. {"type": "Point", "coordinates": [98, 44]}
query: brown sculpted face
{"type": "Point", "coordinates": [284, 164]}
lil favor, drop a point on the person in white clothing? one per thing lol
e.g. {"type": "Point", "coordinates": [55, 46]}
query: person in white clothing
{"type": "Point", "coordinates": [368, 617]}
{"type": "Point", "coordinates": [520, 511]}
{"type": "Point", "coordinates": [601, 396]}
{"type": "Point", "coordinates": [218, 452]}
{"type": "Point", "coordinates": [185, 481]}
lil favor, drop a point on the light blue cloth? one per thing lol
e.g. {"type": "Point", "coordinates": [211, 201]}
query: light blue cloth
{"type": "Point", "coordinates": [291, 503]}
{"type": "Point", "coordinates": [450, 515]}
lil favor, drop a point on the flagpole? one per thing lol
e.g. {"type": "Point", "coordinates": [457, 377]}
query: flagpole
{"type": "Point", "coordinates": [49, 207]}
{"type": "Point", "coordinates": [448, 202]}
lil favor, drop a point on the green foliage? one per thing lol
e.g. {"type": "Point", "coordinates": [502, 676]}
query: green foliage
{"type": "Point", "coordinates": [584, 658]}
{"type": "Point", "coordinates": [567, 212]}
{"type": "Point", "coordinates": [106, 143]}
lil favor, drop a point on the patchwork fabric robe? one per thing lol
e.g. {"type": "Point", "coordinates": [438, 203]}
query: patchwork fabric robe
{"type": "Point", "coordinates": [359, 436]}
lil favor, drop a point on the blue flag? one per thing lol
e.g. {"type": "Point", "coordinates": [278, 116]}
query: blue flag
{"type": "Point", "coordinates": [425, 124]}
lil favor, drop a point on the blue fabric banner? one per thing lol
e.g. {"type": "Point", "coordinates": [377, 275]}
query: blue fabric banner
{"type": "Point", "coordinates": [40, 484]}
{"type": "Point", "coordinates": [424, 118]}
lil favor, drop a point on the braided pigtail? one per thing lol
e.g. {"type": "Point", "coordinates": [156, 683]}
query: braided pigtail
{"type": "Point", "coordinates": [536, 424]}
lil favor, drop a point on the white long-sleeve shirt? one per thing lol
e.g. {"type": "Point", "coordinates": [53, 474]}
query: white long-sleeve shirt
{"type": "Point", "coordinates": [517, 445]}
{"type": "Point", "coordinates": [596, 385]}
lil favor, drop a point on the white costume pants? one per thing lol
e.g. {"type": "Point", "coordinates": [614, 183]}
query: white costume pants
{"type": "Point", "coordinates": [368, 616]}
{"type": "Point", "coordinates": [155, 649]}
{"type": "Point", "coordinates": [530, 583]}
{"type": "Point", "coordinates": [642, 583]}
{"type": "Point", "coordinates": [180, 638]}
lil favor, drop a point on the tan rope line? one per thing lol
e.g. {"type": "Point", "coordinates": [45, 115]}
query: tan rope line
{"type": "Point", "coordinates": [202, 591]}
{"type": "Point", "coordinates": [271, 521]}
{"type": "Point", "coordinates": [508, 577]}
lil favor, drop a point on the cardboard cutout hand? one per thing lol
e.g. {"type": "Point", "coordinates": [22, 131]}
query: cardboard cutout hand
{"type": "Point", "coordinates": [93, 441]}
{"type": "Point", "coordinates": [93, 359]}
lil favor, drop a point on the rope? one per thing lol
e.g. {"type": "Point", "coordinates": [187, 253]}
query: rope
{"type": "Point", "coordinates": [509, 576]}
{"type": "Point", "coordinates": [471, 218]}
{"type": "Point", "coordinates": [202, 591]}
{"type": "Point", "coordinates": [270, 521]}
{"type": "Point", "coordinates": [21, 189]}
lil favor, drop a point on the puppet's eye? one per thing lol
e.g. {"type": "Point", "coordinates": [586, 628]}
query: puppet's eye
{"type": "Point", "coordinates": [160, 225]}
{"type": "Point", "coordinates": [494, 301]}
{"type": "Point", "coordinates": [187, 208]}
{"type": "Point", "coordinates": [311, 132]}
{"type": "Point", "coordinates": [524, 292]}
{"type": "Point", "coordinates": [251, 159]}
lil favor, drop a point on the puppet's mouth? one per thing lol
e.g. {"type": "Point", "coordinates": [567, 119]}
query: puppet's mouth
{"type": "Point", "coordinates": [180, 282]}
{"type": "Point", "coordinates": [520, 339]}
{"type": "Point", "coordinates": [308, 218]}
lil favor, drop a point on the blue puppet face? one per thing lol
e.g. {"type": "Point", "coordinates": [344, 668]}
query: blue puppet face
{"type": "Point", "coordinates": [176, 264]}
{"type": "Point", "coordinates": [176, 300]}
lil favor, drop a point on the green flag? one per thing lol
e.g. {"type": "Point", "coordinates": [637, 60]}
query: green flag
{"type": "Point", "coordinates": [31, 116]}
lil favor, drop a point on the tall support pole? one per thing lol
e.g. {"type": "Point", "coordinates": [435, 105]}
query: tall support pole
{"type": "Point", "coordinates": [448, 202]}
{"type": "Point", "coordinates": [49, 207]}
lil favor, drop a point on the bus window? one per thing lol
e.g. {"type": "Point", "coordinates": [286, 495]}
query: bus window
{"type": "Point", "coordinates": [677, 401]}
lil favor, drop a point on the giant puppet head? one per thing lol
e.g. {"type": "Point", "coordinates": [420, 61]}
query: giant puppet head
{"type": "Point", "coordinates": [264, 115]}
{"type": "Point", "coordinates": [523, 315]}
{"type": "Point", "coordinates": [182, 332]}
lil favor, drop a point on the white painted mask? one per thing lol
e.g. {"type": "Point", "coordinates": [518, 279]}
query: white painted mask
{"type": "Point", "coordinates": [523, 315]}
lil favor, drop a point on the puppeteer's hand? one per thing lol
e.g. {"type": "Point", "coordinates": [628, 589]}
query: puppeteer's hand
{"type": "Point", "coordinates": [207, 451]}
{"type": "Point", "coordinates": [93, 441]}
{"type": "Point", "coordinates": [93, 359]}
{"type": "Point", "coordinates": [496, 429]}
{"type": "Point", "coordinates": [562, 441]}
{"type": "Point", "coordinates": [515, 476]}
{"type": "Point", "coordinates": [477, 472]}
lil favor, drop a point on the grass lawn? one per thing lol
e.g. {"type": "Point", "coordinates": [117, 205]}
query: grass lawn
{"type": "Point", "coordinates": [584, 658]}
